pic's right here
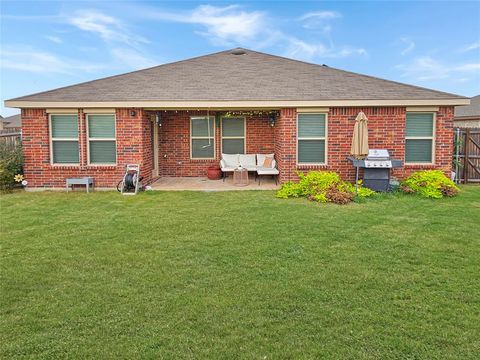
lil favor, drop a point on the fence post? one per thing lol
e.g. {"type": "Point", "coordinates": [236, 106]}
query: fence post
{"type": "Point", "coordinates": [466, 162]}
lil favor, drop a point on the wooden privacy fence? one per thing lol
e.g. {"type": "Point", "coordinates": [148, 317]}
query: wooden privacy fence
{"type": "Point", "coordinates": [468, 163]}
{"type": "Point", "coordinates": [10, 138]}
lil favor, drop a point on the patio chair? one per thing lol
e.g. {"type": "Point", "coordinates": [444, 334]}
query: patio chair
{"type": "Point", "coordinates": [228, 163]}
{"type": "Point", "coordinates": [263, 170]}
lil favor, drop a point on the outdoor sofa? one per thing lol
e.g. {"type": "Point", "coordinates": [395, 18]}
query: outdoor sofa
{"type": "Point", "coordinates": [252, 162]}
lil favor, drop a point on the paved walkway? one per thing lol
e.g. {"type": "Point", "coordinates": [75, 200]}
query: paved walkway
{"type": "Point", "coordinates": [203, 184]}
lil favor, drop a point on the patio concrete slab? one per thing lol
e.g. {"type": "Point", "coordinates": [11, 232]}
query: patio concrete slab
{"type": "Point", "coordinates": [203, 184]}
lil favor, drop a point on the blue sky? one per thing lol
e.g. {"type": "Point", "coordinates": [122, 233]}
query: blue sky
{"type": "Point", "coordinates": [45, 45]}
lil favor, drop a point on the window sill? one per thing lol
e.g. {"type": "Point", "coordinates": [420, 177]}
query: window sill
{"type": "Point", "coordinates": [65, 166]}
{"type": "Point", "coordinates": [311, 166]}
{"type": "Point", "coordinates": [103, 166]}
{"type": "Point", "coordinates": [203, 160]}
{"type": "Point", "coordinates": [419, 165]}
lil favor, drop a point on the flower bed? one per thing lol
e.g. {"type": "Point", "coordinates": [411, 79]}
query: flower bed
{"type": "Point", "coordinates": [322, 186]}
{"type": "Point", "coordinates": [429, 183]}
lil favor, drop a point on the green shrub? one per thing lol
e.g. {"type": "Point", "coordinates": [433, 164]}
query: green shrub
{"type": "Point", "coordinates": [362, 191]}
{"type": "Point", "coordinates": [289, 190]}
{"type": "Point", "coordinates": [429, 183]}
{"type": "Point", "coordinates": [322, 186]}
{"type": "Point", "coordinates": [11, 164]}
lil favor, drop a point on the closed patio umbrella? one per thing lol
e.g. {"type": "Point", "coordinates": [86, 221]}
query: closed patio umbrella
{"type": "Point", "coordinates": [359, 148]}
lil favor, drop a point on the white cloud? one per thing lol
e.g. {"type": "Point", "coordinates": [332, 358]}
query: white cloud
{"type": "Point", "coordinates": [132, 58]}
{"type": "Point", "coordinates": [327, 29]}
{"type": "Point", "coordinates": [37, 61]}
{"type": "Point", "coordinates": [129, 56]}
{"type": "Point", "coordinates": [113, 31]}
{"type": "Point", "coordinates": [303, 50]}
{"type": "Point", "coordinates": [467, 67]}
{"type": "Point", "coordinates": [321, 15]}
{"type": "Point", "coordinates": [473, 46]}
{"type": "Point", "coordinates": [299, 49]}
{"type": "Point", "coordinates": [409, 46]}
{"type": "Point", "coordinates": [425, 68]}
{"type": "Point", "coordinates": [108, 27]}
{"type": "Point", "coordinates": [54, 39]}
{"type": "Point", "coordinates": [233, 25]}
{"type": "Point", "coordinates": [319, 20]}
{"type": "Point", "coordinates": [222, 24]}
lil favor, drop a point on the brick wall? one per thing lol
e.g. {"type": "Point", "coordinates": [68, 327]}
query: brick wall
{"type": "Point", "coordinates": [174, 135]}
{"type": "Point", "coordinates": [285, 144]}
{"type": "Point", "coordinates": [260, 135]}
{"type": "Point", "coordinates": [386, 129]}
{"type": "Point", "coordinates": [133, 146]}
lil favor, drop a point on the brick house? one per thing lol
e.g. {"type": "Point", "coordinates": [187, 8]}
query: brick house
{"type": "Point", "coordinates": [177, 119]}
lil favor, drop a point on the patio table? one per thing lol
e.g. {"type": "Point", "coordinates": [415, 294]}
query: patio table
{"type": "Point", "coordinates": [240, 177]}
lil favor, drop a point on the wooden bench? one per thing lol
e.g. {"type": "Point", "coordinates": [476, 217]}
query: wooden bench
{"type": "Point", "coordinates": [87, 181]}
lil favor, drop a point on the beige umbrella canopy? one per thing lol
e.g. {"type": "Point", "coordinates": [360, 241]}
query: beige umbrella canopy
{"type": "Point", "coordinates": [360, 137]}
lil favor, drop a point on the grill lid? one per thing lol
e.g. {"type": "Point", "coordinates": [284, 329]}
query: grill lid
{"type": "Point", "coordinates": [378, 154]}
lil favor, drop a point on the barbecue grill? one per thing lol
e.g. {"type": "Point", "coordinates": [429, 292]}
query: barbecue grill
{"type": "Point", "coordinates": [377, 165]}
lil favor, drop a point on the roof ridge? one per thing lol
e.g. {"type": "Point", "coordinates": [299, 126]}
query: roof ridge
{"type": "Point", "coordinates": [327, 67]}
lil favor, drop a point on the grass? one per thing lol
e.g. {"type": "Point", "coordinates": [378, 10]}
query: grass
{"type": "Point", "coordinates": [238, 275]}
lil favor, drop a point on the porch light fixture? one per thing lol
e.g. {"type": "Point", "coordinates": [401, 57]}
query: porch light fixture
{"type": "Point", "coordinates": [272, 119]}
{"type": "Point", "coordinates": [133, 113]}
{"type": "Point", "coordinates": [158, 119]}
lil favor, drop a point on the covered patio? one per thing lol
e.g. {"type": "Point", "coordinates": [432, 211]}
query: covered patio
{"type": "Point", "coordinates": [171, 183]}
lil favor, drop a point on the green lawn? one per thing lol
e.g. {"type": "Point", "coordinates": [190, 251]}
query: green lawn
{"type": "Point", "coordinates": [238, 275]}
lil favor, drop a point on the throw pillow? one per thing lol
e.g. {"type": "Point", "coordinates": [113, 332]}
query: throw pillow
{"type": "Point", "coordinates": [268, 162]}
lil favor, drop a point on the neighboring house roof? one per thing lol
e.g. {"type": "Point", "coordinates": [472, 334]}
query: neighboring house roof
{"type": "Point", "coordinates": [13, 121]}
{"type": "Point", "coordinates": [470, 111]}
{"type": "Point", "coordinates": [249, 76]}
{"type": "Point", "coordinates": [468, 116]}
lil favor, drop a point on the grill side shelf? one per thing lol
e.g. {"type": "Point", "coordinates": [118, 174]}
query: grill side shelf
{"type": "Point", "coordinates": [356, 162]}
{"type": "Point", "coordinates": [397, 163]}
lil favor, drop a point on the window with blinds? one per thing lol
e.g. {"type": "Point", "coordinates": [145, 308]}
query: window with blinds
{"type": "Point", "coordinates": [202, 137]}
{"type": "Point", "coordinates": [419, 138]}
{"type": "Point", "coordinates": [233, 135]}
{"type": "Point", "coordinates": [64, 139]}
{"type": "Point", "coordinates": [102, 145]}
{"type": "Point", "coordinates": [311, 130]}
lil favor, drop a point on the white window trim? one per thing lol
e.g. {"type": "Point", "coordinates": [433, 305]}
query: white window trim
{"type": "Point", "coordinates": [244, 137]}
{"type": "Point", "coordinates": [325, 138]}
{"type": "Point", "coordinates": [433, 138]}
{"type": "Point", "coordinates": [212, 136]}
{"type": "Point", "coordinates": [52, 140]}
{"type": "Point", "coordinates": [100, 139]}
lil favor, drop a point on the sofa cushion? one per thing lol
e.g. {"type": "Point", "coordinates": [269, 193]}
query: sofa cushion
{"type": "Point", "coordinates": [247, 161]}
{"type": "Point", "coordinates": [261, 158]}
{"type": "Point", "coordinates": [267, 171]}
{"type": "Point", "coordinates": [230, 160]}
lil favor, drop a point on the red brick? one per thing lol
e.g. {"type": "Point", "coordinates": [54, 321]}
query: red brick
{"type": "Point", "coordinates": [386, 130]}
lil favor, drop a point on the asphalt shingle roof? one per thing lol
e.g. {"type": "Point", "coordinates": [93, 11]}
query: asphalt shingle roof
{"type": "Point", "coordinates": [11, 121]}
{"type": "Point", "coordinates": [471, 110]}
{"type": "Point", "coordinates": [249, 76]}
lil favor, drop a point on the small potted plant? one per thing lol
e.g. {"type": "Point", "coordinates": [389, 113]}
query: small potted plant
{"type": "Point", "coordinates": [214, 172]}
